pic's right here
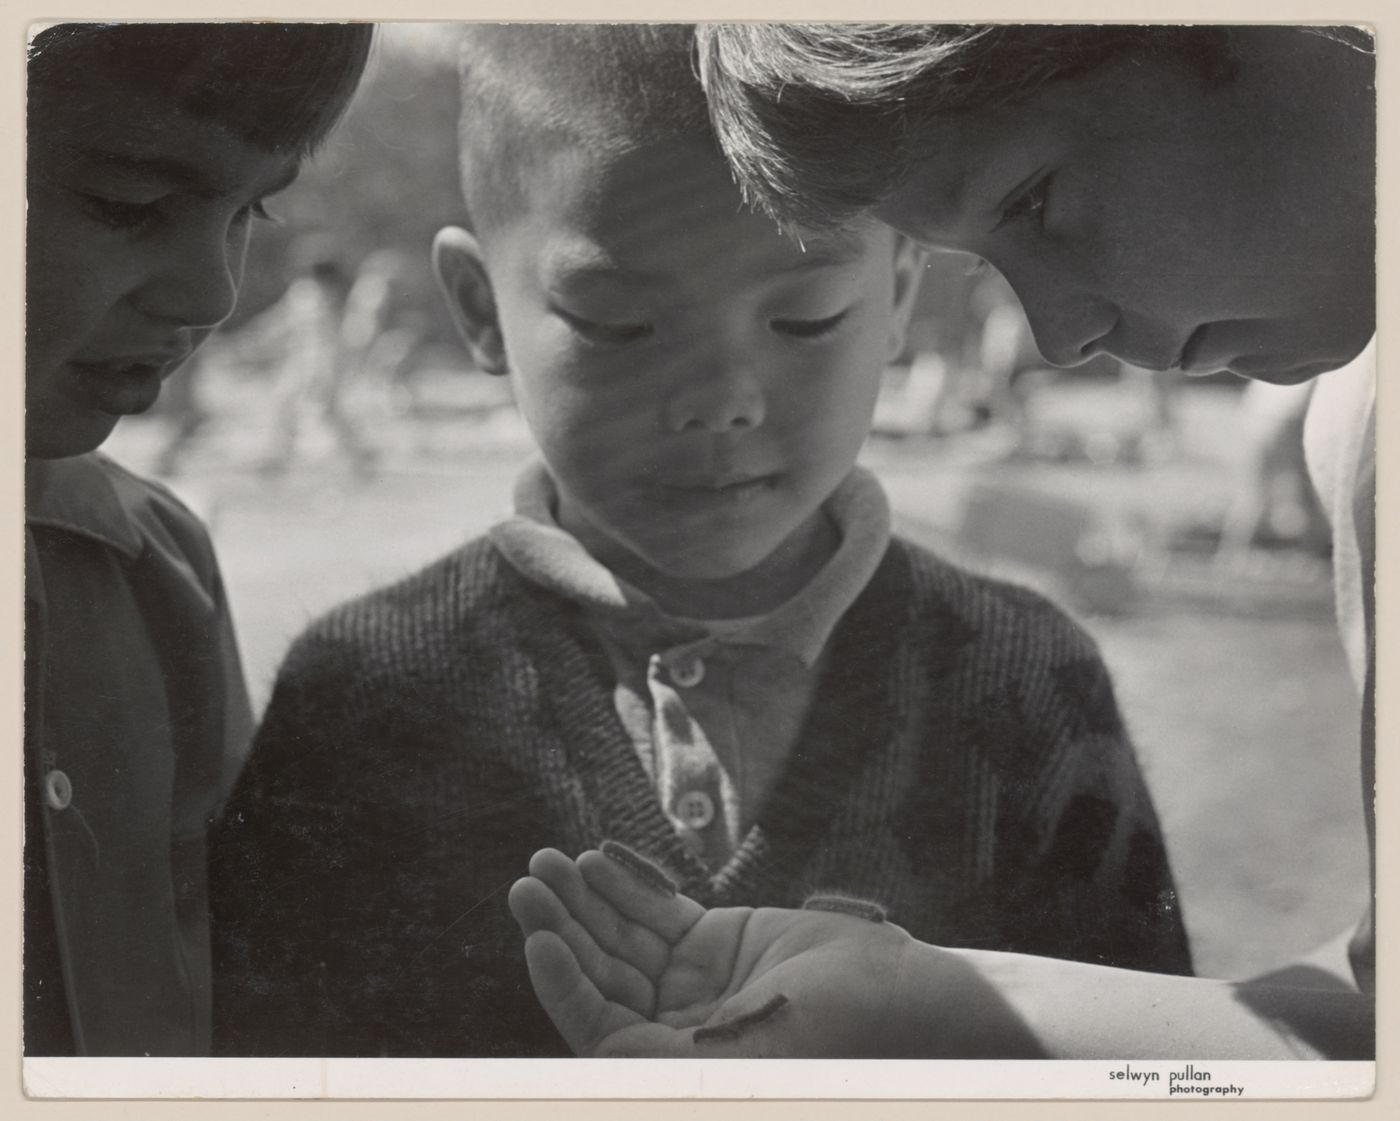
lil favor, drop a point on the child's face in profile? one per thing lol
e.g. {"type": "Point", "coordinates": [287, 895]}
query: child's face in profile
{"type": "Point", "coordinates": [698, 383]}
{"type": "Point", "coordinates": [1135, 213]}
{"type": "Point", "coordinates": [138, 221]}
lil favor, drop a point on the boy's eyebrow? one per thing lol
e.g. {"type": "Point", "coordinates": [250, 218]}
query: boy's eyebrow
{"type": "Point", "coordinates": [579, 266]}
{"type": "Point", "coordinates": [576, 265]}
{"type": "Point", "coordinates": [178, 173]}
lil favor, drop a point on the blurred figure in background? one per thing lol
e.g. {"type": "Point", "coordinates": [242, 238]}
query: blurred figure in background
{"type": "Point", "coordinates": [968, 343]}
{"type": "Point", "coordinates": [1273, 500]}
{"type": "Point", "coordinates": [308, 326]}
{"type": "Point", "coordinates": [186, 412]}
{"type": "Point", "coordinates": [368, 304]}
{"type": "Point", "coordinates": [378, 333]}
{"type": "Point", "coordinates": [1001, 349]}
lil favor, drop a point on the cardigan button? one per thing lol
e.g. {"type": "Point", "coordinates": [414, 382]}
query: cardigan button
{"type": "Point", "coordinates": [688, 672]}
{"type": "Point", "coordinates": [695, 809]}
{"type": "Point", "coordinates": [58, 790]}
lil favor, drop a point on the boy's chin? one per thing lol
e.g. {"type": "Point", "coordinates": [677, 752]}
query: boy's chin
{"type": "Point", "coordinates": [72, 436]}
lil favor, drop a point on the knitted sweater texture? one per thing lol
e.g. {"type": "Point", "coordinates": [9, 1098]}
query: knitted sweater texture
{"type": "Point", "coordinates": [964, 765]}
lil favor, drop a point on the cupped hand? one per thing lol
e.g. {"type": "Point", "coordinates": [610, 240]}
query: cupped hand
{"type": "Point", "coordinates": [625, 966]}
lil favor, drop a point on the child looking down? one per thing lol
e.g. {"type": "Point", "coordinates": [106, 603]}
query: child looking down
{"type": "Point", "coordinates": [151, 148]}
{"type": "Point", "coordinates": [695, 635]}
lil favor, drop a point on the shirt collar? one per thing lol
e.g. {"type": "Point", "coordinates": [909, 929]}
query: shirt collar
{"type": "Point", "coordinates": [533, 542]}
{"type": "Point", "coordinates": [76, 494]}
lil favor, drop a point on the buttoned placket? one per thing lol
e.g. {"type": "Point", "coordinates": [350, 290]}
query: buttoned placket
{"type": "Point", "coordinates": [699, 796]}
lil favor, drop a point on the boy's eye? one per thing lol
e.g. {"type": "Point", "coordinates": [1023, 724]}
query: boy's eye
{"type": "Point", "coordinates": [809, 328]}
{"type": "Point", "coordinates": [613, 333]}
{"type": "Point", "coordinates": [1029, 204]}
{"type": "Point", "coordinates": [119, 214]}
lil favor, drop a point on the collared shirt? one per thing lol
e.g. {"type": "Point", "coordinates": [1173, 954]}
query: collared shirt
{"type": "Point", "coordinates": [136, 724]}
{"type": "Point", "coordinates": [713, 707]}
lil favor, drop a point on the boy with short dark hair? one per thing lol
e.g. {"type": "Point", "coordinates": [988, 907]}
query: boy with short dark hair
{"type": "Point", "coordinates": [695, 635]}
{"type": "Point", "coordinates": [151, 148]}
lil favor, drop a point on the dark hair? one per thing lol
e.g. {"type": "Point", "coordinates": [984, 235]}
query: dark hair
{"type": "Point", "coordinates": [531, 89]}
{"type": "Point", "coordinates": [280, 86]}
{"type": "Point", "coordinates": [823, 121]}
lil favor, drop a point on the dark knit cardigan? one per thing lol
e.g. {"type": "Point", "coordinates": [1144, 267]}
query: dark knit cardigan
{"type": "Point", "coordinates": [964, 764]}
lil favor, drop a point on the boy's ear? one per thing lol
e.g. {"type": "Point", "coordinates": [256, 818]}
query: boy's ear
{"type": "Point", "coordinates": [909, 262]}
{"type": "Point", "coordinates": [462, 275]}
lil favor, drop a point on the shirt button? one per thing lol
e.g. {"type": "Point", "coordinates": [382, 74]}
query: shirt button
{"type": "Point", "coordinates": [695, 809]}
{"type": "Point", "coordinates": [58, 790]}
{"type": "Point", "coordinates": [688, 672]}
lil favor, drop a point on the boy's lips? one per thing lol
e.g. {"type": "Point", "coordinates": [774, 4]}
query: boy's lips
{"type": "Point", "coordinates": [720, 482]}
{"type": "Point", "coordinates": [717, 489]}
{"type": "Point", "coordinates": [125, 386]}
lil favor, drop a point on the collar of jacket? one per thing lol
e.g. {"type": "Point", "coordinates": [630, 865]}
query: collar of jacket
{"type": "Point", "coordinates": [537, 547]}
{"type": "Point", "coordinates": [79, 495]}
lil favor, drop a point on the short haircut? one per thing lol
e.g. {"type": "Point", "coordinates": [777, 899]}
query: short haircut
{"type": "Point", "coordinates": [529, 90]}
{"type": "Point", "coordinates": [278, 86]}
{"type": "Point", "coordinates": [823, 121]}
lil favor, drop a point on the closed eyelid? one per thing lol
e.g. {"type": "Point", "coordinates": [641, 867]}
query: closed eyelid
{"type": "Point", "coordinates": [598, 320]}
{"type": "Point", "coordinates": [126, 217]}
{"type": "Point", "coordinates": [810, 320]}
{"type": "Point", "coordinates": [810, 328]}
{"type": "Point", "coordinates": [604, 331]}
{"type": "Point", "coordinates": [161, 175]}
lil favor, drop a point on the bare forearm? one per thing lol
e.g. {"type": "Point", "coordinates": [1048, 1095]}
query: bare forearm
{"type": "Point", "coordinates": [1022, 1006]}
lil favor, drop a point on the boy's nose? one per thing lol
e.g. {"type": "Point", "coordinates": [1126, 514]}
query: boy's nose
{"type": "Point", "coordinates": [195, 278]}
{"type": "Point", "coordinates": [716, 399]}
{"type": "Point", "coordinates": [1068, 322]}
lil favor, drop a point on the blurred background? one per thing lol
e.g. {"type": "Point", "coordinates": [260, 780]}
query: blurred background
{"type": "Point", "coordinates": [335, 437]}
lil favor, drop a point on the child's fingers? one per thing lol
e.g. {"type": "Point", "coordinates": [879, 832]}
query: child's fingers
{"type": "Point", "coordinates": [612, 931]}
{"type": "Point", "coordinates": [557, 870]}
{"type": "Point", "coordinates": [536, 908]}
{"type": "Point", "coordinates": [524, 901]}
{"type": "Point", "coordinates": [584, 1017]}
{"type": "Point", "coordinates": [668, 916]}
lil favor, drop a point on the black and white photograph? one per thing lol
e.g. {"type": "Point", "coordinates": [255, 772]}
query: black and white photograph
{"type": "Point", "coordinates": [751, 540]}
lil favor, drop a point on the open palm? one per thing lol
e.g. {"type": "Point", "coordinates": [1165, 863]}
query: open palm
{"type": "Point", "coordinates": [624, 968]}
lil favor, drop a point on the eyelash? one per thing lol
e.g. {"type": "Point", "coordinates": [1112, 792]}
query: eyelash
{"type": "Point", "coordinates": [259, 211]}
{"type": "Point", "coordinates": [810, 330]}
{"type": "Point", "coordinates": [121, 215]}
{"type": "Point", "coordinates": [1030, 203]}
{"type": "Point", "coordinates": [612, 334]}
{"type": "Point", "coordinates": [136, 215]}
{"type": "Point", "coordinates": [619, 334]}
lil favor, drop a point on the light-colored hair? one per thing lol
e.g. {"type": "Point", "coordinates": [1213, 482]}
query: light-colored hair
{"type": "Point", "coordinates": [823, 121]}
